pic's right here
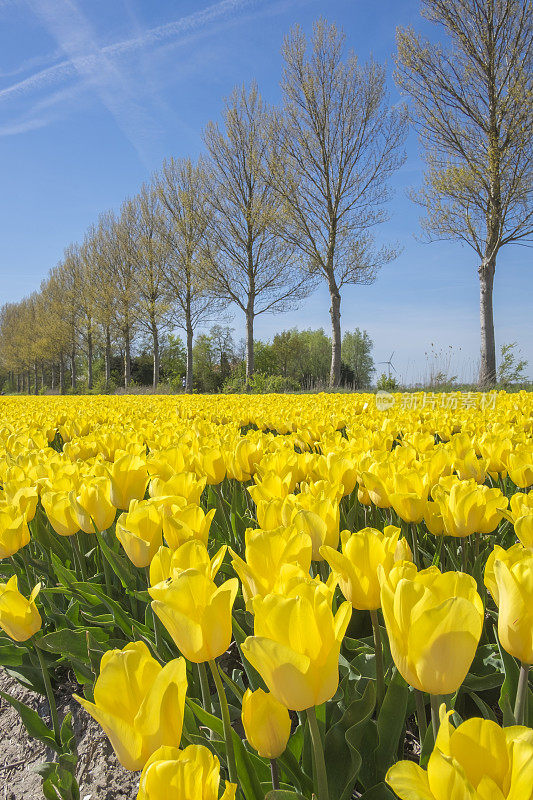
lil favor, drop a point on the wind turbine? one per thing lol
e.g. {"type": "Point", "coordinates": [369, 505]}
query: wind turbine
{"type": "Point", "coordinates": [389, 363]}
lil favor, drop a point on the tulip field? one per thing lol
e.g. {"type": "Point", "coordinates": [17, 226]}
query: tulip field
{"type": "Point", "coordinates": [278, 597]}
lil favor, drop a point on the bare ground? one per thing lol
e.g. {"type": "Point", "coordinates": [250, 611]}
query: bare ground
{"type": "Point", "coordinates": [99, 774]}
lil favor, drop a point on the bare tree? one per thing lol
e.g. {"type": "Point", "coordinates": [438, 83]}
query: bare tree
{"type": "Point", "coordinates": [182, 189]}
{"type": "Point", "coordinates": [150, 258]}
{"type": "Point", "coordinates": [337, 145]}
{"type": "Point", "coordinates": [473, 105]}
{"type": "Point", "coordinates": [250, 264]}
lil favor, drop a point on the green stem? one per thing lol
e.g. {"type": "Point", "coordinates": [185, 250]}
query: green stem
{"type": "Point", "coordinates": [435, 700]}
{"type": "Point", "coordinates": [155, 620]}
{"type": "Point", "coordinates": [318, 750]}
{"type": "Point", "coordinates": [49, 695]}
{"type": "Point", "coordinates": [27, 569]}
{"type": "Point", "coordinates": [228, 731]}
{"type": "Point", "coordinates": [77, 551]}
{"type": "Point", "coordinates": [378, 648]}
{"type": "Point", "coordinates": [421, 716]}
{"type": "Point", "coordinates": [108, 575]}
{"type": "Point", "coordinates": [224, 511]}
{"type": "Point", "coordinates": [416, 555]}
{"type": "Point", "coordinates": [520, 708]}
{"type": "Point", "coordinates": [274, 772]}
{"type": "Point", "coordinates": [463, 554]}
{"type": "Point", "coordinates": [204, 686]}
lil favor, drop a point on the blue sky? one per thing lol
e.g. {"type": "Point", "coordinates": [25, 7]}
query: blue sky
{"type": "Point", "coordinates": [95, 93]}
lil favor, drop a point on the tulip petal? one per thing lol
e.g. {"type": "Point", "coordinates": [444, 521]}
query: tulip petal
{"type": "Point", "coordinates": [409, 781]}
{"type": "Point", "coordinates": [283, 670]}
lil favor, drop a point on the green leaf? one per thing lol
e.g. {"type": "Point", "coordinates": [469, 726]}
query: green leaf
{"type": "Point", "coordinates": [73, 643]}
{"type": "Point", "coordinates": [391, 720]}
{"type": "Point", "coordinates": [343, 760]}
{"type": "Point", "coordinates": [121, 566]}
{"type": "Point", "coordinates": [248, 779]}
{"type": "Point", "coordinates": [32, 722]}
{"type": "Point", "coordinates": [282, 794]}
{"type": "Point", "coordinates": [378, 792]}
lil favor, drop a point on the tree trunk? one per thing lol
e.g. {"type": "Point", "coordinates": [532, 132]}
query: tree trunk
{"type": "Point", "coordinates": [107, 355]}
{"type": "Point", "coordinates": [52, 376]}
{"type": "Point", "coordinates": [73, 368]}
{"type": "Point", "coordinates": [36, 377]}
{"type": "Point", "coordinates": [90, 359]}
{"type": "Point", "coordinates": [127, 358]}
{"type": "Point", "coordinates": [249, 342]}
{"type": "Point", "coordinates": [43, 378]}
{"type": "Point", "coordinates": [335, 314]}
{"type": "Point", "coordinates": [487, 370]}
{"type": "Point", "coordinates": [189, 363]}
{"type": "Point", "coordinates": [61, 374]}
{"type": "Point", "coordinates": [155, 336]}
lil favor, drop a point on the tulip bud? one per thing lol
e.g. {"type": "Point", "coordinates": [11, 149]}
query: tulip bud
{"type": "Point", "coordinates": [196, 613]}
{"type": "Point", "coordinates": [19, 617]}
{"type": "Point", "coordinates": [266, 722]}
{"type": "Point", "coordinates": [60, 512]}
{"type": "Point", "coordinates": [14, 533]}
{"type": "Point", "coordinates": [140, 532]}
{"type": "Point", "coordinates": [296, 645]}
{"type": "Point", "coordinates": [129, 478]}
{"type": "Point", "coordinates": [356, 568]}
{"type": "Point", "coordinates": [138, 703]}
{"type": "Point", "coordinates": [509, 578]}
{"type": "Point", "coordinates": [434, 621]}
{"type": "Point", "coordinates": [477, 760]}
{"type": "Point", "coordinates": [190, 774]}
{"type": "Point", "coordinates": [94, 500]}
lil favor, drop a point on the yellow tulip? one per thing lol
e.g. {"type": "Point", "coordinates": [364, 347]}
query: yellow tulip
{"type": "Point", "coordinates": [192, 554]}
{"type": "Point", "coordinates": [190, 774]}
{"type": "Point", "coordinates": [14, 533]}
{"type": "Point", "coordinates": [266, 722]}
{"type": "Point", "coordinates": [129, 479]}
{"type": "Point", "coordinates": [23, 497]}
{"type": "Point", "coordinates": [521, 515]}
{"type": "Point", "coordinates": [273, 558]}
{"type": "Point", "coordinates": [269, 513]}
{"type": "Point", "coordinates": [186, 522]}
{"type": "Point", "coordinates": [271, 486]}
{"type": "Point", "coordinates": [410, 495]}
{"type": "Point", "coordinates": [319, 517]}
{"type": "Point", "coordinates": [509, 578]}
{"type": "Point", "coordinates": [434, 622]}
{"type": "Point", "coordinates": [185, 484]}
{"type": "Point", "coordinates": [433, 518]}
{"type": "Point", "coordinates": [356, 568]}
{"type": "Point", "coordinates": [138, 703]}
{"type": "Point", "coordinates": [339, 470]}
{"type": "Point", "coordinates": [376, 486]}
{"type": "Point", "coordinates": [210, 462]}
{"type": "Point", "coordinates": [94, 501]}
{"type": "Point", "coordinates": [61, 512]}
{"type": "Point", "coordinates": [140, 532]}
{"type": "Point", "coordinates": [196, 613]}
{"type": "Point", "coordinates": [296, 645]}
{"type": "Point", "coordinates": [470, 467]}
{"type": "Point", "coordinates": [462, 509]}
{"type": "Point", "coordinates": [247, 454]}
{"type": "Point", "coordinates": [19, 617]}
{"type": "Point", "coordinates": [520, 467]}
{"type": "Point", "coordinates": [477, 761]}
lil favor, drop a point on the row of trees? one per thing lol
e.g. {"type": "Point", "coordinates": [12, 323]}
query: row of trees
{"type": "Point", "coordinates": [281, 199]}
{"type": "Point", "coordinates": [284, 198]}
